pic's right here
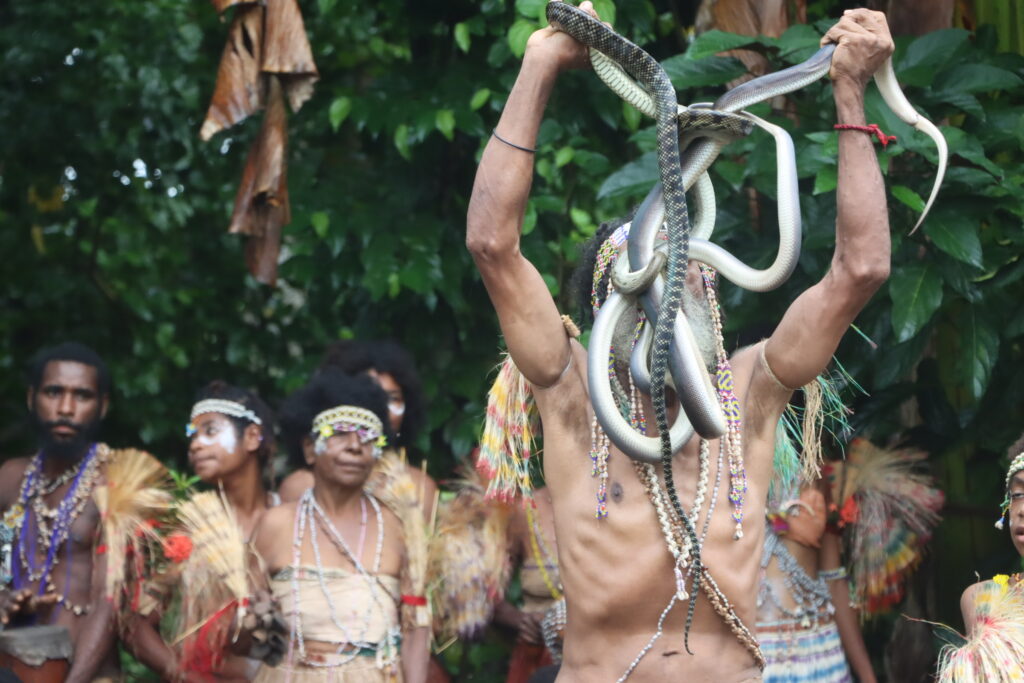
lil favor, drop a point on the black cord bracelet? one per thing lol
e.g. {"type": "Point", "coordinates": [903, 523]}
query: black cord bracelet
{"type": "Point", "coordinates": [494, 132]}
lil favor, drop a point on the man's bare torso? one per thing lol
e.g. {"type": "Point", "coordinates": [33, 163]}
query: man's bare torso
{"type": "Point", "coordinates": [618, 573]}
{"type": "Point", "coordinates": [72, 572]}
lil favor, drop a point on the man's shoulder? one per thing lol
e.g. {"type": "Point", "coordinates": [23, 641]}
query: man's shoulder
{"type": "Point", "coordinates": [11, 473]}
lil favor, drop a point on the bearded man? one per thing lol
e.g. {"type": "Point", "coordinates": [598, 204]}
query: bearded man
{"type": "Point", "coordinates": [620, 582]}
{"type": "Point", "coordinates": [57, 575]}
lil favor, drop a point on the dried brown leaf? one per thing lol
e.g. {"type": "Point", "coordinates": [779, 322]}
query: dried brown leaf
{"type": "Point", "coordinates": [287, 51]}
{"type": "Point", "coordinates": [261, 204]}
{"type": "Point", "coordinates": [238, 92]}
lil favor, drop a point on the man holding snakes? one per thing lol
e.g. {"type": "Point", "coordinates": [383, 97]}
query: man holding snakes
{"type": "Point", "coordinates": [626, 615]}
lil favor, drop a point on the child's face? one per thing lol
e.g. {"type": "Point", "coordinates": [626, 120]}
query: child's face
{"type": "Point", "coordinates": [1016, 513]}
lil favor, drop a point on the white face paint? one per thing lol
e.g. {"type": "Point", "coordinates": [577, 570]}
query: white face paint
{"type": "Point", "coordinates": [218, 434]}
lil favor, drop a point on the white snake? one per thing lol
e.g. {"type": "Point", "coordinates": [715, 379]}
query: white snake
{"type": "Point", "coordinates": [701, 411]}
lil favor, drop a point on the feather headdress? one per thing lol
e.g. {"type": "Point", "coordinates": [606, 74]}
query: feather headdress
{"type": "Point", "coordinates": [469, 559]}
{"type": "Point", "coordinates": [887, 510]}
{"type": "Point", "coordinates": [132, 500]}
{"type": "Point", "coordinates": [393, 486]}
{"type": "Point", "coordinates": [214, 579]}
{"type": "Point", "coordinates": [994, 653]}
{"type": "Point", "coordinates": [510, 428]}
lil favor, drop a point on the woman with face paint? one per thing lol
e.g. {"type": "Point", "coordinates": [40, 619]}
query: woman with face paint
{"type": "Point", "coordinates": [391, 367]}
{"type": "Point", "coordinates": [341, 559]}
{"type": "Point", "coordinates": [230, 436]}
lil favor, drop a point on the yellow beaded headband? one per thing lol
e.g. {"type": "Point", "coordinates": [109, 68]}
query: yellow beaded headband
{"type": "Point", "coordinates": [343, 419]}
{"type": "Point", "coordinates": [1015, 466]}
{"type": "Point", "coordinates": [222, 406]}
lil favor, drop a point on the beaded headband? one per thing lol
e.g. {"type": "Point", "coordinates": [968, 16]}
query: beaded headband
{"type": "Point", "coordinates": [345, 419]}
{"type": "Point", "coordinates": [222, 406]}
{"type": "Point", "coordinates": [1016, 466]}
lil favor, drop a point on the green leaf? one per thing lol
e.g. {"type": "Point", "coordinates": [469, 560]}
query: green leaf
{"type": "Point", "coordinates": [916, 293]}
{"type": "Point", "coordinates": [973, 78]}
{"type": "Point", "coordinates": [712, 42]}
{"type": "Point", "coordinates": [325, 6]}
{"type": "Point", "coordinates": [444, 120]}
{"type": "Point", "coordinates": [462, 36]}
{"type": "Point", "coordinates": [529, 218]}
{"type": "Point", "coordinates": [321, 222]}
{"type": "Point", "coordinates": [580, 218]}
{"type": "Point", "coordinates": [480, 98]}
{"type": "Point", "coordinates": [928, 54]}
{"type": "Point", "coordinates": [518, 34]}
{"type": "Point", "coordinates": [606, 10]}
{"type": "Point", "coordinates": [687, 73]}
{"type": "Point", "coordinates": [634, 177]}
{"type": "Point", "coordinates": [825, 180]}
{"type": "Point", "coordinates": [341, 107]}
{"type": "Point", "coordinates": [564, 156]}
{"type": "Point", "coordinates": [530, 8]}
{"type": "Point", "coordinates": [969, 147]}
{"type": "Point", "coordinates": [632, 115]}
{"type": "Point", "coordinates": [979, 350]}
{"type": "Point", "coordinates": [402, 141]}
{"type": "Point", "coordinates": [798, 43]}
{"type": "Point", "coordinates": [963, 101]}
{"type": "Point", "coordinates": [908, 197]}
{"type": "Point", "coordinates": [956, 233]}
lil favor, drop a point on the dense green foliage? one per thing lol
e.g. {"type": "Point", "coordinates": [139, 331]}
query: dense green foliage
{"type": "Point", "coordinates": [112, 215]}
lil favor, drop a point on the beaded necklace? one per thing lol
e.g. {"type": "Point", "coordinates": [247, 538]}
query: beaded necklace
{"type": "Point", "coordinates": [811, 597]}
{"type": "Point", "coordinates": [50, 539]}
{"type": "Point", "coordinates": [309, 515]}
{"type": "Point", "coordinates": [542, 555]}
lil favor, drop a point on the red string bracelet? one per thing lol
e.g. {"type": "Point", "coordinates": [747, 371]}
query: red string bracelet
{"type": "Point", "coordinates": [873, 129]}
{"type": "Point", "coordinates": [414, 600]}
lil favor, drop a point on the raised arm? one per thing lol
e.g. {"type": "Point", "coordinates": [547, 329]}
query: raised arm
{"type": "Point", "coordinates": [527, 313]}
{"type": "Point", "coordinates": [809, 333]}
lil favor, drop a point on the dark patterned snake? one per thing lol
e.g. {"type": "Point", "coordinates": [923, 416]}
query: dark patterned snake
{"type": "Point", "coordinates": [591, 32]}
{"type": "Point", "coordinates": [699, 401]}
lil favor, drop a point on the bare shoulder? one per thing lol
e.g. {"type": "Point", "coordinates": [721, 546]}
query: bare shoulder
{"type": "Point", "coordinates": [11, 473]}
{"type": "Point", "coordinates": [568, 395]}
{"type": "Point", "coordinates": [422, 479]}
{"type": "Point", "coordinates": [967, 600]}
{"type": "Point", "coordinates": [277, 523]}
{"type": "Point", "coordinates": [762, 394]}
{"type": "Point", "coordinates": [294, 485]}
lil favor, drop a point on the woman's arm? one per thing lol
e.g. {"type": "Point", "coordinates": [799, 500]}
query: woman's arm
{"type": "Point", "coordinates": [846, 617]}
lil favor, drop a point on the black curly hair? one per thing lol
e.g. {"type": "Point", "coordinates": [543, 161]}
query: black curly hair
{"type": "Point", "coordinates": [582, 280]}
{"type": "Point", "coordinates": [221, 389]}
{"type": "Point", "coordinates": [329, 388]}
{"type": "Point", "coordinates": [356, 357]}
{"type": "Point", "coordinates": [68, 351]}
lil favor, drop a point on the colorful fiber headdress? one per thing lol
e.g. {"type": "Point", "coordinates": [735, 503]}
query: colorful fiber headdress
{"type": "Point", "coordinates": [1016, 466]}
{"type": "Point", "coordinates": [222, 406]}
{"type": "Point", "coordinates": [886, 510]}
{"type": "Point", "coordinates": [345, 419]}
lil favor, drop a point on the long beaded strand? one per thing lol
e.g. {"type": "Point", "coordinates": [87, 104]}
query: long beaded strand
{"type": "Point", "coordinates": [730, 406]}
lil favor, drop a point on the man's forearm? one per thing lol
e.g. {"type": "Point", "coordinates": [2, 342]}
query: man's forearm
{"type": "Point", "coordinates": [505, 174]}
{"type": "Point", "coordinates": [862, 219]}
{"type": "Point", "coordinates": [95, 641]}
